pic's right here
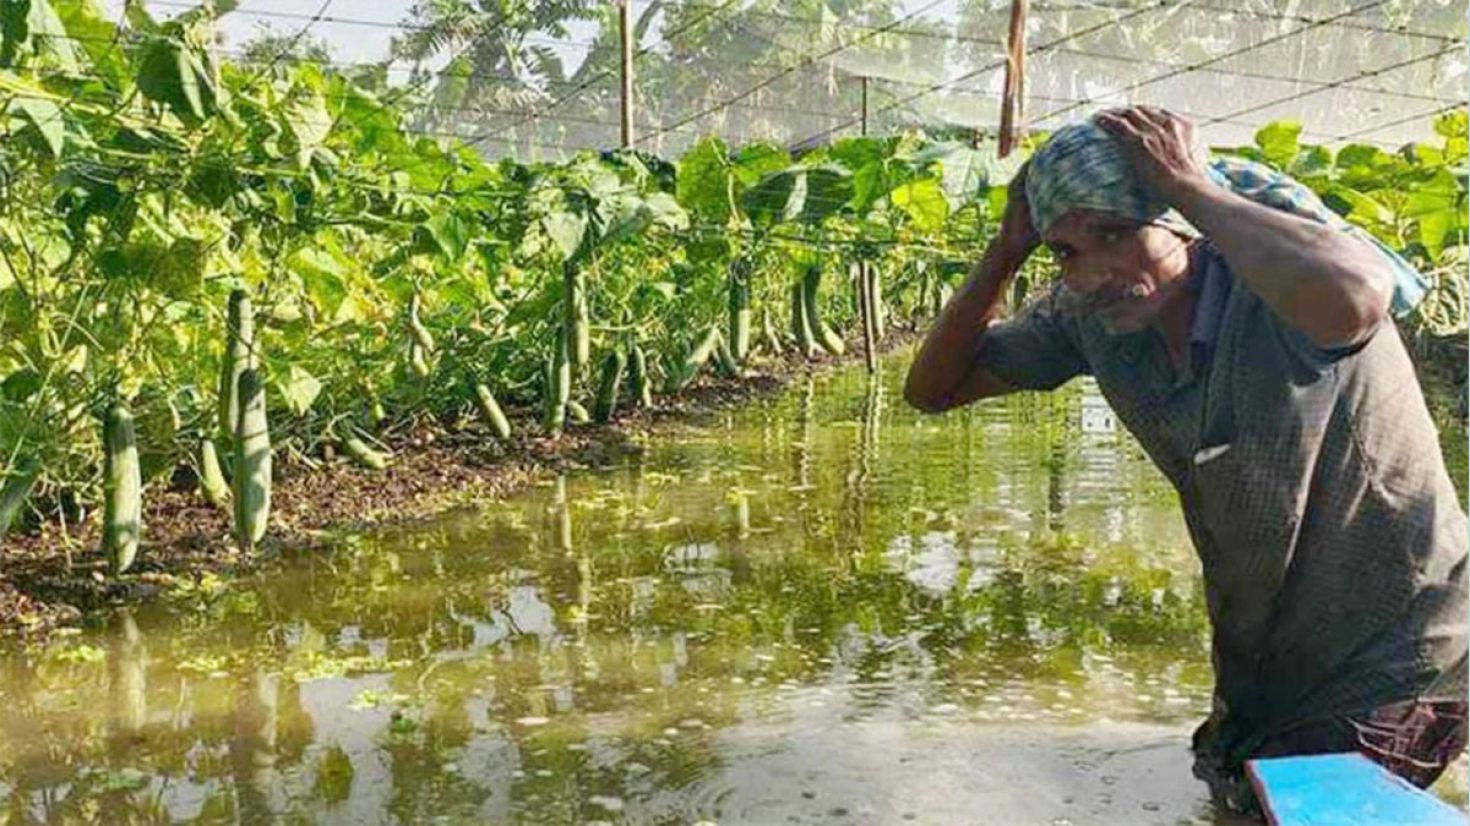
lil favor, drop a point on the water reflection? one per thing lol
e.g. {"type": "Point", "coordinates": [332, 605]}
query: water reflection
{"type": "Point", "coordinates": [822, 608]}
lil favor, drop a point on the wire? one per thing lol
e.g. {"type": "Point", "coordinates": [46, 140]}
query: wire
{"type": "Point", "coordinates": [599, 76]}
{"type": "Point", "coordinates": [1333, 85]}
{"type": "Point", "coordinates": [1403, 120]}
{"type": "Point", "coordinates": [808, 60]}
{"type": "Point", "coordinates": [1133, 87]}
{"type": "Point", "coordinates": [932, 88]}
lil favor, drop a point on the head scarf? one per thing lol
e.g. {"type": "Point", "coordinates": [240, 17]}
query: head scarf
{"type": "Point", "coordinates": [1082, 166]}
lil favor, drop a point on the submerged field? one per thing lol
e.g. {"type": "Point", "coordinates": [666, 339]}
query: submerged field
{"type": "Point", "coordinates": [822, 607]}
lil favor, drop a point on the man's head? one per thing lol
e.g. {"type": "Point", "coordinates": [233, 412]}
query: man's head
{"type": "Point", "coordinates": [1123, 255]}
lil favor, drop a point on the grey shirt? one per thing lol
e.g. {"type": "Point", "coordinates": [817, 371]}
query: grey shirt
{"type": "Point", "coordinates": [1332, 542]}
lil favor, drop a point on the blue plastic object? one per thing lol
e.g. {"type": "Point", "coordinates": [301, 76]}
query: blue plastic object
{"type": "Point", "coordinates": [1345, 789]}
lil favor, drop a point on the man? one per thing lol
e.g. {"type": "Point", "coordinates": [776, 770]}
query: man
{"type": "Point", "coordinates": [1241, 333]}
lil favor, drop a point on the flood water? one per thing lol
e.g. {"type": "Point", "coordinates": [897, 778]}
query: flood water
{"type": "Point", "coordinates": [822, 608]}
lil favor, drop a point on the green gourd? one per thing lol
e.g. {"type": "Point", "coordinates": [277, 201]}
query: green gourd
{"type": "Point", "coordinates": [607, 390]}
{"type": "Point", "coordinates": [239, 356]}
{"type": "Point", "coordinates": [490, 409]}
{"type": "Point", "coordinates": [639, 382]}
{"type": "Point", "coordinates": [17, 489]}
{"type": "Point", "coordinates": [211, 479]}
{"type": "Point", "coordinates": [122, 489]}
{"type": "Point", "coordinates": [823, 334]}
{"type": "Point", "coordinates": [252, 463]}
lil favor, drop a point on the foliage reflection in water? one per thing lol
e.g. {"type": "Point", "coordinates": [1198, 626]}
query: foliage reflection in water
{"type": "Point", "coordinates": [823, 607]}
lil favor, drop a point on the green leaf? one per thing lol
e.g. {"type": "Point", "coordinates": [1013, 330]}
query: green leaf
{"type": "Point", "coordinates": [86, 22]}
{"type": "Point", "coordinates": [309, 121]}
{"type": "Point", "coordinates": [322, 274]}
{"type": "Point", "coordinates": [450, 233]}
{"type": "Point", "coordinates": [1312, 160]}
{"type": "Point", "coordinates": [33, 25]}
{"type": "Point", "coordinates": [20, 385]}
{"type": "Point", "coordinates": [566, 229]}
{"type": "Point", "coordinates": [924, 202]}
{"type": "Point", "coordinates": [1278, 141]}
{"type": "Point", "coordinates": [47, 120]}
{"type": "Point", "coordinates": [665, 211]}
{"type": "Point", "coordinates": [1452, 124]}
{"type": "Point", "coordinates": [828, 189]}
{"type": "Point", "coordinates": [703, 181]}
{"type": "Point", "coordinates": [299, 388]}
{"type": "Point", "coordinates": [767, 203]}
{"type": "Point", "coordinates": [756, 160]}
{"type": "Point", "coordinates": [1436, 206]}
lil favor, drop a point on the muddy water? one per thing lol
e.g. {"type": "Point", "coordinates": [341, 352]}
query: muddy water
{"type": "Point", "coordinates": [820, 609]}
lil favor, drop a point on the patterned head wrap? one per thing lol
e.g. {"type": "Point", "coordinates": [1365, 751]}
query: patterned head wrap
{"type": "Point", "coordinates": [1082, 166]}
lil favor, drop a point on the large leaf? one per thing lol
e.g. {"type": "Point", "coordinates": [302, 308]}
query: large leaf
{"type": "Point", "coordinates": [1278, 141]}
{"type": "Point", "coordinates": [1437, 206]}
{"type": "Point", "coordinates": [923, 200]}
{"type": "Point", "coordinates": [704, 181]}
{"type": "Point", "coordinates": [169, 74]}
{"type": "Point", "coordinates": [965, 173]}
{"type": "Point", "coordinates": [45, 116]}
{"type": "Point", "coordinates": [32, 26]}
{"type": "Point", "coordinates": [754, 161]}
{"type": "Point", "coordinates": [309, 122]}
{"type": "Point", "coordinates": [566, 229]}
{"type": "Point", "coordinates": [450, 233]}
{"type": "Point", "coordinates": [299, 389]}
{"type": "Point", "coordinates": [87, 23]}
{"type": "Point", "coordinates": [322, 273]}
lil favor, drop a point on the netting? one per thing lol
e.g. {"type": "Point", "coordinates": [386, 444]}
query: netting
{"type": "Point", "coordinates": [799, 73]}
{"type": "Point", "coordinates": [802, 72]}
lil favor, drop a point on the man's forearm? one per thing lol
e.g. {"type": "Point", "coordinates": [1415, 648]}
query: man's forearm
{"type": "Point", "coordinates": [1327, 284]}
{"type": "Point", "coordinates": [949, 351]}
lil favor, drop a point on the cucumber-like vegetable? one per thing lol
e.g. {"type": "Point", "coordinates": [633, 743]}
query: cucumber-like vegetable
{"type": "Point", "coordinates": [726, 360]}
{"type": "Point", "coordinates": [801, 327]}
{"type": "Point", "coordinates": [364, 455]}
{"type": "Point", "coordinates": [577, 412]}
{"type": "Point", "coordinates": [252, 462]}
{"type": "Point", "coordinates": [875, 297]}
{"type": "Point", "coordinates": [684, 371]}
{"type": "Point", "coordinates": [739, 309]}
{"type": "Point", "coordinates": [639, 382]}
{"type": "Point", "coordinates": [579, 345]}
{"type": "Point", "coordinates": [17, 489]}
{"type": "Point", "coordinates": [823, 334]}
{"type": "Point", "coordinates": [490, 409]}
{"type": "Point", "coordinates": [239, 356]}
{"type": "Point", "coordinates": [557, 376]}
{"type": "Point", "coordinates": [771, 338]}
{"type": "Point", "coordinates": [607, 388]}
{"type": "Point", "coordinates": [416, 328]}
{"type": "Point", "coordinates": [418, 360]}
{"type": "Point", "coordinates": [703, 350]}
{"type": "Point", "coordinates": [211, 479]}
{"type": "Point", "coordinates": [122, 489]}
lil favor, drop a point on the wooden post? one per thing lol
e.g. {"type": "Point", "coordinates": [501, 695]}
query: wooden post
{"type": "Point", "coordinates": [864, 131]}
{"type": "Point", "coordinates": [626, 23]}
{"type": "Point", "coordinates": [1014, 92]}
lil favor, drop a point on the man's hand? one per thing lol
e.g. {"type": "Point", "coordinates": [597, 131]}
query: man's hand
{"type": "Point", "coordinates": [1017, 236]}
{"type": "Point", "coordinates": [1166, 156]}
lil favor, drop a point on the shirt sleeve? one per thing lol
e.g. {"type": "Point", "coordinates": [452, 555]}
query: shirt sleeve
{"type": "Point", "coordinates": [1035, 350]}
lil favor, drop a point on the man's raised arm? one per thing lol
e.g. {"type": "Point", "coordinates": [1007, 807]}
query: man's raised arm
{"type": "Point", "coordinates": [947, 371]}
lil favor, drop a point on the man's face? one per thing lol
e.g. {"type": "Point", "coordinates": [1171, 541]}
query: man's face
{"type": "Point", "coordinates": [1119, 271]}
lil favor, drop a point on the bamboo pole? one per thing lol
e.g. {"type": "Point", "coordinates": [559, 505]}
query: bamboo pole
{"type": "Point", "coordinates": [1011, 97]}
{"type": "Point", "coordinates": [626, 24]}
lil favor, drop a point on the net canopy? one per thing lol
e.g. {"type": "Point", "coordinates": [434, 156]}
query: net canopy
{"type": "Point", "coordinates": [542, 80]}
